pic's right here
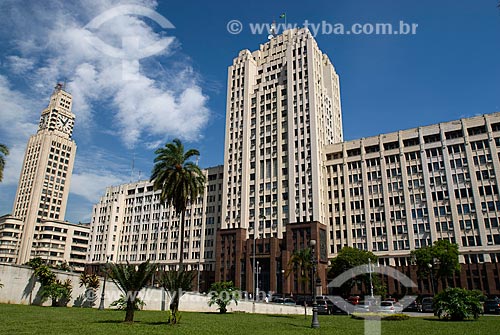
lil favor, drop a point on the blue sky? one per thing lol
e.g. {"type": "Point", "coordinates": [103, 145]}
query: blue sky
{"type": "Point", "coordinates": [449, 69]}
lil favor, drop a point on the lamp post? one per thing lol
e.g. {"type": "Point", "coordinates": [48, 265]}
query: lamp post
{"type": "Point", "coordinates": [432, 277]}
{"type": "Point", "coordinates": [315, 321]}
{"type": "Point", "coordinates": [257, 271]}
{"type": "Point", "coordinates": [101, 304]}
{"type": "Point", "coordinates": [371, 281]}
{"type": "Point", "coordinates": [283, 284]}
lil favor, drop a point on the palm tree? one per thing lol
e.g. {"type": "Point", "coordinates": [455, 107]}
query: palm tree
{"type": "Point", "coordinates": [4, 151]}
{"type": "Point", "coordinates": [131, 279]}
{"type": "Point", "coordinates": [179, 180]}
{"type": "Point", "coordinates": [176, 282]}
{"type": "Point", "coordinates": [300, 265]}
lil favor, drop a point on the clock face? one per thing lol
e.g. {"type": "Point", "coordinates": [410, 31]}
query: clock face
{"type": "Point", "coordinates": [63, 123]}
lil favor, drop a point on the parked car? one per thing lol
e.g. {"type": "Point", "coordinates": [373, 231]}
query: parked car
{"type": "Point", "coordinates": [286, 301]}
{"type": "Point", "coordinates": [492, 306]}
{"type": "Point", "coordinates": [361, 307]}
{"type": "Point", "coordinates": [340, 308]}
{"type": "Point", "coordinates": [354, 300]}
{"type": "Point", "coordinates": [324, 305]}
{"type": "Point", "coordinates": [389, 306]}
{"type": "Point", "coordinates": [304, 300]}
{"type": "Point", "coordinates": [412, 307]}
{"type": "Point", "coordinates": [426, 306]}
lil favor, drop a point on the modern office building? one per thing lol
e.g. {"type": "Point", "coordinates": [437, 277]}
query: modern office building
{"type": "Point", "coordinates": [129, 224]}
{"type": "Point", "coordinates": [401, 191]}
{"type": "Point", "coordinates": [288, 178]}
{"type": "Point", "coordinates": [43, 189]}
{"type": "Point", "coordinates": [283, 108]}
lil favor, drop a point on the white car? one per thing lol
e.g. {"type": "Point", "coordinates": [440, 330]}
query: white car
{"type": "Point", "coordinates": [390, 307]}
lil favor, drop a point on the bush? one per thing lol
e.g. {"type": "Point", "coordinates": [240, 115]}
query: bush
{"type": "Point", "coordinates": [380, 316]}
{"type": "Point", "coordinates": [221, 294]}
{"type": "Point", "coordinates": [59, 292]}
{"type": "Point", "coordinates": [396, 317]}
{"type": "Point", "coordinates": [458, 304]}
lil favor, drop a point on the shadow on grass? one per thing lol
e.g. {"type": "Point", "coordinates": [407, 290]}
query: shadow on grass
{"type": "Point", "coordinates": [151, 323]}
{"type": "Point", "coordinates": [446, 321]}
{"type": "Point", "coordinates": [281, 316]}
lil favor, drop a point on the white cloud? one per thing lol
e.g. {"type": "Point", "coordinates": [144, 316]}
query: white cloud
{"type": "Point", "coordinates": [146, 108]}
{"type": "Point", "coordinates": [20, 65]}
{"type": "Point", "coordinates": [91, 186]}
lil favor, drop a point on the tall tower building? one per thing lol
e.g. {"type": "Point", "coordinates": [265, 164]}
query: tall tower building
{"type": "Point", "coordinates": [45, 178]}
{"type": "Point", "coordinates": [283, 107]}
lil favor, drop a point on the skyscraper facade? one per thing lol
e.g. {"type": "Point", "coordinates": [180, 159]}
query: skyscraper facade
{"type": "Point", "coordinates": [45, 178]}
{"type": "Point", "coordinates": [283, 108]}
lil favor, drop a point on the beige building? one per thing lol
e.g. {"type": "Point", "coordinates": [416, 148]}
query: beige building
{"type": "Point", "coordinates": [60, 242]}
{"type": "Point", "coordinates": [130, 224]}
{"type": "Point", "coordinates": [44, 182]}
{"type": "Point", "coordinates": [283, 107]}
{"type": "Point", "coordinates": [10, 238]}
{"type": "Point", "coordinates": [401, 191]}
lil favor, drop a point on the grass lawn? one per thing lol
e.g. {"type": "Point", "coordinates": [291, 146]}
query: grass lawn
{"type": "Point", "coordinates": [19, 319]}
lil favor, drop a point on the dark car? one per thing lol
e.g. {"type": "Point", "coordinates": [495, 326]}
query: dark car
{"type": "Point", "coordinates": [426, 306]}
{"type": "Point", "coordinates": [325, 305]}
{"type": "Point", "coordinates": [286, 301]}
{"type": "Point", "coordinates": [492, 306]}
{"type": "Point", "coordinates": [412, 307]}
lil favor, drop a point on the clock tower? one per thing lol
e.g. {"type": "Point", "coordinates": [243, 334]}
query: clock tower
{"type": "Point", "coordinates": [45, 179]}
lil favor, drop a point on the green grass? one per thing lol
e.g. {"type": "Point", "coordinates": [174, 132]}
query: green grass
{"type": "Point", "coordinates": [19, 319]}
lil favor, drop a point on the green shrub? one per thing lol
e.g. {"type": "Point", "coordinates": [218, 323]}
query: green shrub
{"type": "Point", "coordinates": [396, 317]}
{"type": "Point", "coordinates": [59, 292]}
{"type": "Point", "coordinates": [221, 294]}
{"type": "Point", "coordinates": [458, 304]}
{"type": "Point", "coordinates": [380, 316]}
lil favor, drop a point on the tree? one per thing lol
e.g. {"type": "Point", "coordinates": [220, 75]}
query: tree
{"type": "Point", "coordinates": [300, 265]}
{"type": "Point", "coordinates": [349, 258]}
{"type": "Point", "coordinates": [4, 151]}
{"type": "Point", "coordinates": [458, 304]}
{"type": "Point", "coordinates": [131, 279]}
{"type": "Point", "coordinates": [176, 282]}
{"type": "Point", "coordinates": [221, 294]}
{"type": "Point", "coordinates": [439, 260]}
{"type": "Point", "coordinates": [179, 180]}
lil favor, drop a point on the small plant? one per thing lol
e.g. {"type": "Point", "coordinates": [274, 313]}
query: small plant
{"type": "Point", "coordinates": [458, 304]}
{"type": "Point", "coordinates": [121, 304]}
{"type": "Point", "coordinates": [59, 292]}
{"type": "Point", "coordinates": [221, 294]}
{"type": "Point", "coordinates": [89, 281]}
{"type": "Point", "coordinates": [173, 318]}
{"type": "Point", "coordinates": [175, 283]}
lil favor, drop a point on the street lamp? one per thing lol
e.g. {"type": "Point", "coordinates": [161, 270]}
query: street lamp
{"type": "Point", "coordinates": [101, 304]}
{"type": "Point", "coordinates": [371, 281]}
{"type": "Point", "coordinates": [432, 277]}
{"type": "Point", "coordinates": [315, 321]}
{"type": "Point", "coordinates": [257, 271]}
{"type": "Point", "coordinates": [283, 284]}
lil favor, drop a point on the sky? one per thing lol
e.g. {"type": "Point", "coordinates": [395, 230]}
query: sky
{"type": "Point", "coordinates": [145, 72]}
